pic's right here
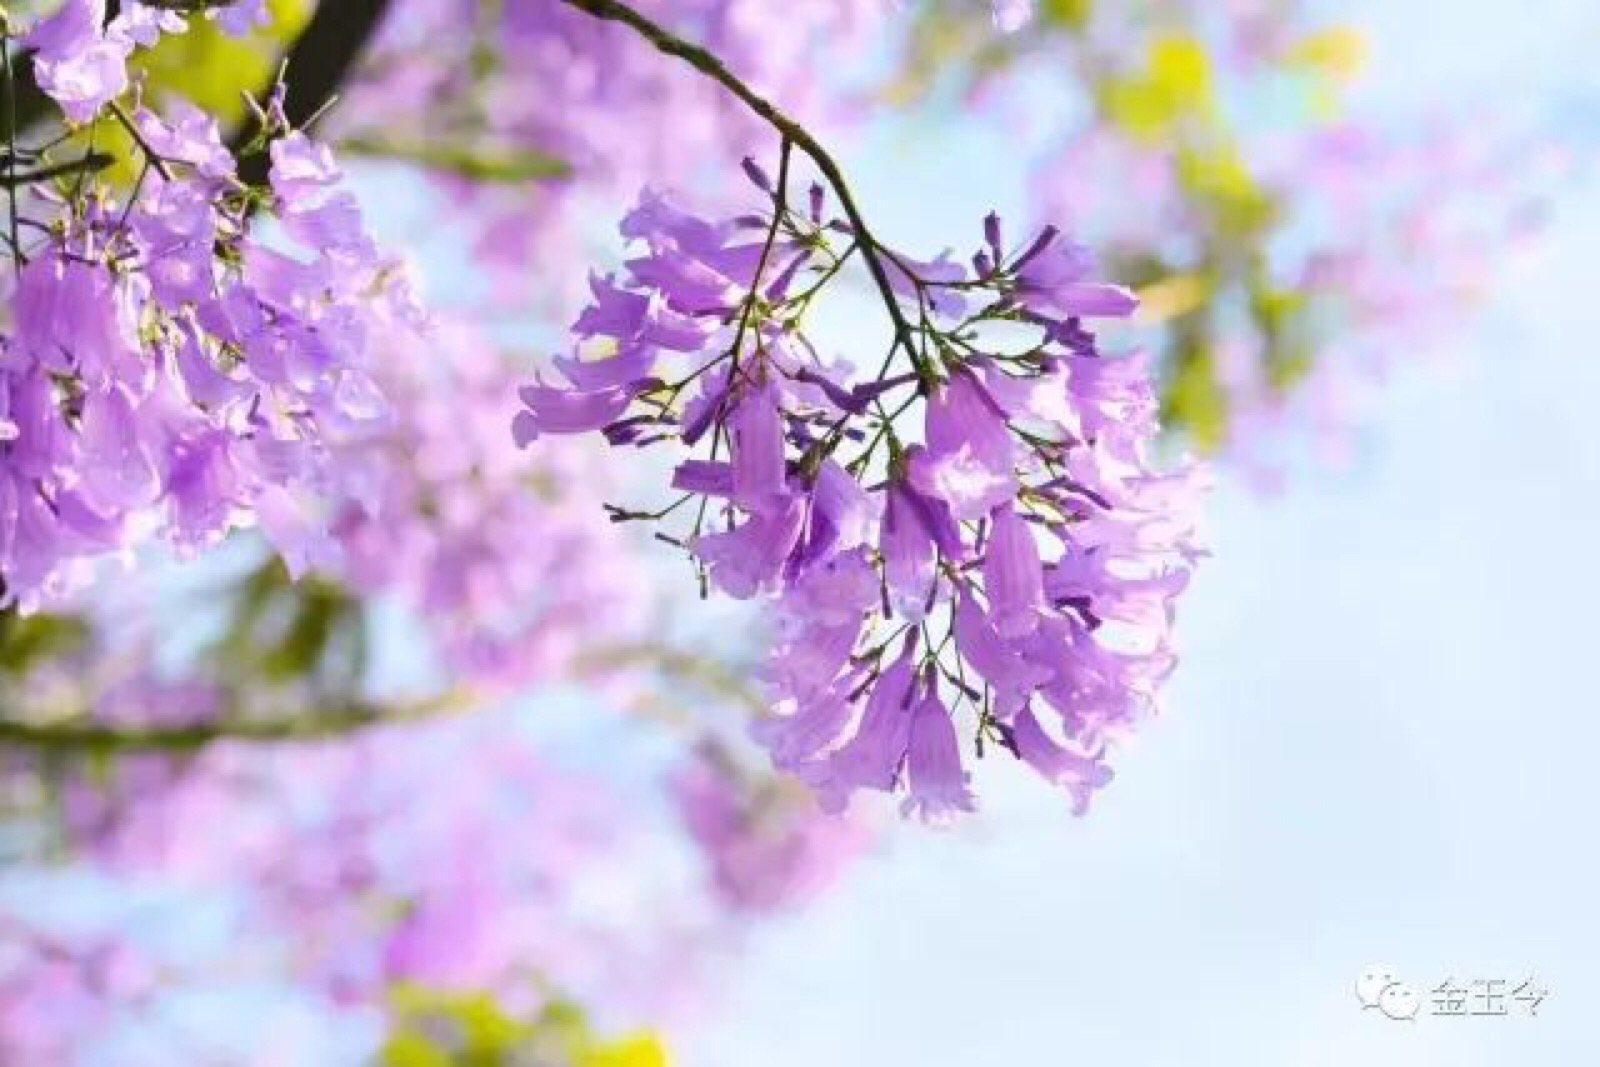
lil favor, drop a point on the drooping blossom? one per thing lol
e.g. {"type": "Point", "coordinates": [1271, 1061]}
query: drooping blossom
{"type": "Point", "coordinates": [170, 374]}
{"type": "Point", "coordinates": [1013, 551]}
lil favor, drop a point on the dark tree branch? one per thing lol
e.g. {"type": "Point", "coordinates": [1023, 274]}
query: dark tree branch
{"type": "Point", "coordinates": [318, 63]}
{"type": "Point", "coordinates": [28, 104]}
{"type": "Point", "coordinates": [92, 161]}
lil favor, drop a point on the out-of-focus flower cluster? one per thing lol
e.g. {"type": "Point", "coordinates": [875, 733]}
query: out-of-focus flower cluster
{"type": "Point", "coordinates": [1288, 245]}
{"type": "Point", "coordinates": [449, 855]}
{"type": "Point", "coordinates": [502, 556]}
{"type": "Point", "coordinates": [490, 97]}
{"type": "Point", "coordinates": [425, 843]}
{"type": "Point", "coordinates": [1008, 551]}
{"type": "Point", "coordinates": [167, 370]}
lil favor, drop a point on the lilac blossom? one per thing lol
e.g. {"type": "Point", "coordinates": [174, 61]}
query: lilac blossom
{"type": "Point", "coordinates": [1007, 552]}
{"type": "Point", "coordinates": [169, 375]}
{"type": "Point", "coordinates": [80, 60]}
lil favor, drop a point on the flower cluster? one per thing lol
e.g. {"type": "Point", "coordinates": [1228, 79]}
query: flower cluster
{"type": "Point", "coordinates": [81, 57]}
{"type": "Point", "coordinates": [363, 865]}
{"type": "Point", "coordinates": [503, 87]}
{"type": "Point", "coordinates": [1015, 552]}
{"type": "Point", "coordinates": [167, 370]}
{"type": "Point", "coordinates": [1288, 260]}
{"type": "Point", "coordinates": [441, 513]}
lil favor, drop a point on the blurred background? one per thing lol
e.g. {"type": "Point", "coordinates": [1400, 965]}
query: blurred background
{"type": "Point", "coordinates": [477, 790]}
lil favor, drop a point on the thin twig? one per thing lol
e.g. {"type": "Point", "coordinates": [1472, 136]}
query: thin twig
{"type": "Point", "coordinates": [156, 159]}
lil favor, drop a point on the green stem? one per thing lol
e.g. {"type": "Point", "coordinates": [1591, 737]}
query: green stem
{"type": "Point", "coordinates": [78, 738]}
{"type": "Point", "coordinates": [98, 738]}
{"type": "Point", "coordinates": [157, 160]}
{"type": "Point", "coordinates": [780, 204]}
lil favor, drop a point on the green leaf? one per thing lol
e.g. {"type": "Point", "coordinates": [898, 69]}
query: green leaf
{"type": "Point", "coordinates": [24, 640]}
{"type": "Point", "coordinates": [1175, 85]}
{"type": "Point", "coordinates": [1072, 14]}
{"type": "Point", "coordinates": [412, 1049]}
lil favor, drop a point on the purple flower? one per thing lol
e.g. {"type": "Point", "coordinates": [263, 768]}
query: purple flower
{"type": "Point", "coordinates": [706, 477]}
{"type": "Point", "coordinates": [760, 481]}
{"type": "Point", "coordinates": [184, 132]}
{"type": "Point", "coordinates": [928, 280]}
{"type": "Point", "coordinates": [937, 784]}
{"type": "Point", "coordinates": [303, 171]}
{"type": "Point", "coordinates": [565, 411]}
{"type": "Point", "coordinates": [636, 319]}
{"type": "Point", "coordinates": [1004, 666]}
{"type": "Point", "coordinates": [118, 475]}
{"type": "Point", "coordinates": [72, 316]}
{"type": "Point", "coordinates": [810, 655]}
{"type": "Point", "coordinates": [203, 487]}
{"type": "Point", "coordinates": [802, 736]}
{"type": "Point", "coordinates": [80, 66]}
{"type": "Point", "coordinates": [240, 17]}
{"type": "Point", "coordinates": [749, 559]}
{"type": "Point", "coordinates": [840, 515]}
{"type": "Point", "coordinates": [1012, 574]}
{"type": "Point", "coordinates": [835, 591]}
{"type": "Point", "coordinates": [143, 24]}
{"type": "Point", "coordinates": [1052, 279]}
{"type": "Point", "coordinates": [915, 530]}
{"type": "Point", "coordinates": [658, 221]}
{"type": "Point", "coordinates": [1079, 775]}
{"type": "Point", "coordinates": [871, 759]}
{"type": "Point", "coordinates": [970, 459]}
{"type": "Point", "coordinates": [333, 224]}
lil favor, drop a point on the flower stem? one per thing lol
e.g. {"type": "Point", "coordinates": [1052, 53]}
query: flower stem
{"type": "Point", "coordinates": [86, 736]}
